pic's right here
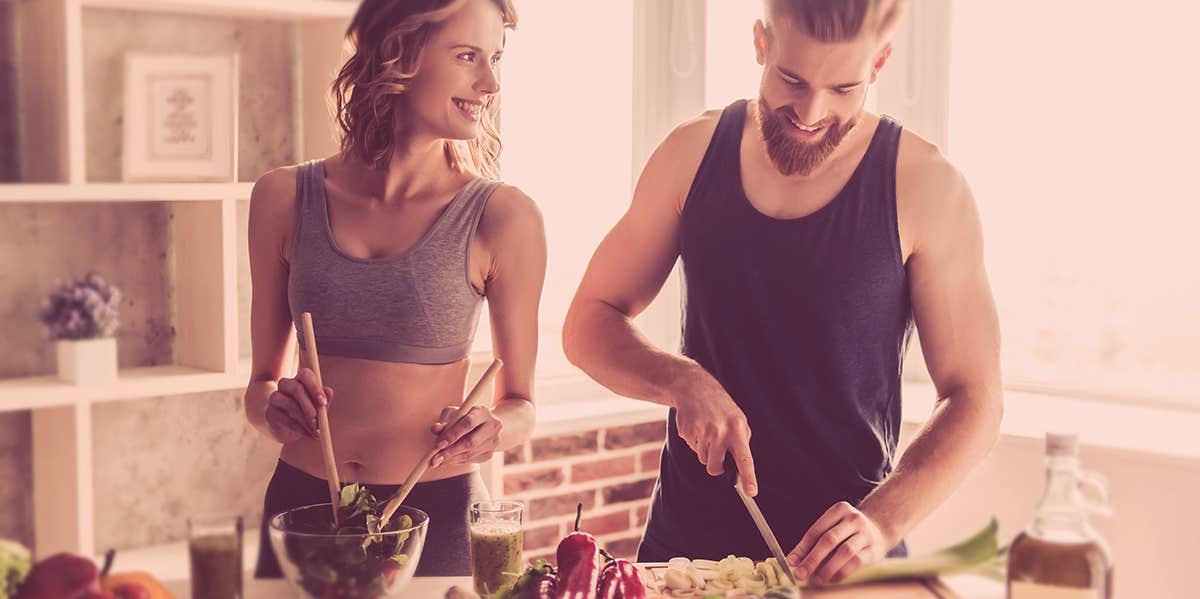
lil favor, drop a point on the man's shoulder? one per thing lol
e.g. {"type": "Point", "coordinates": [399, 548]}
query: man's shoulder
{"type": "Point", "coordinates": [933, 200]}
{"type": "Point", "coordinates": [925, 176]}
{"type": "Point", "coordinates": [695, 133]}
{"type": "Point", "coordinates": [677, 159]}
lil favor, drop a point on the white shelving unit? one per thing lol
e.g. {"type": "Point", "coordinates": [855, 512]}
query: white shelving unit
{"type": "Point", "coordinates": [122, 192]}
{"type": "Point", "coordinates": [204, 217]}
{"type": "Point", "coordinates": [259, 9]}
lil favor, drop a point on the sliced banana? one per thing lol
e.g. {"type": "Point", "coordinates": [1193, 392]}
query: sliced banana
{"type": "Point", "coordinates": [784, 579]}
{"type": "Point", "coordinates": [678, 580]}
{"type": "Point", "coordinates": [732, 578]}
{"type": "Point", "coordinates": [719, 584]}
{"type": "Point", "coordinates": [767, 571]}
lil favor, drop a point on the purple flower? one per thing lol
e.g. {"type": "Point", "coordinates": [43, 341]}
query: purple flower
{"type": "Point", "coordinates": [86, 308]}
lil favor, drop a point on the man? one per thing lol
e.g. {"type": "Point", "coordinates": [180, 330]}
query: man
{"type": "Point", "coordinates": [812, 234]}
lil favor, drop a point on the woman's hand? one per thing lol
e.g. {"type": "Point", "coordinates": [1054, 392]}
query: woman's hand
{"type": "Point", "coordinates": [292, 407]}
{"type": "Point", "coordinates": [471, 440]}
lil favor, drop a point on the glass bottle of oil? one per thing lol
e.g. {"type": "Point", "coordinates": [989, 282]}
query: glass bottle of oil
{"type": "Point", "coordinates": [1059, 555]}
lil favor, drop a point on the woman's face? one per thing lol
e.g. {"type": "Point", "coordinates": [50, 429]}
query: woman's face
{"type": "Point", "coordinates": [456, 75]}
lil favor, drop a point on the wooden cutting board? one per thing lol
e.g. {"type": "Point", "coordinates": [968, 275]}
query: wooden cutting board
{"type": "Point", "coordinates": [876, 590]}
{"type": "Point", "coordinates": [435, 588]}
{"type": "Point", "coordinates": [883, 590]}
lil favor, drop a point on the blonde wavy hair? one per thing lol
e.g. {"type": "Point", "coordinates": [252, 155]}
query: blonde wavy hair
{"type": "Point", "coordinates": [387, 38]}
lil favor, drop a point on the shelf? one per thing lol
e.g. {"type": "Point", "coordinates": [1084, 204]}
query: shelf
{"type": "Point", "coordinates": [122, 192]}
{"type": "Point", "coordinates": [48, 391]}
{"type": "Point", "coordinates": [1168, 433]}
{"type": "Point", "coordinates": [170, 561]}
{"type": "Point", "coordinates": [266, 9]}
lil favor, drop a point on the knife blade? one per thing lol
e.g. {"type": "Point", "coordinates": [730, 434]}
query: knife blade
{"type": "Point", "coordinates": [764, 530]}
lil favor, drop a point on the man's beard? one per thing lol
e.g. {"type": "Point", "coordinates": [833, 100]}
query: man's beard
{"type": "Point", "coordinates": [794, 157]}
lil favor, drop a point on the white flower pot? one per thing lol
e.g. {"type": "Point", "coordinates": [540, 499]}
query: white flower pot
{"type": "Point", "coordinates": [87, 361]}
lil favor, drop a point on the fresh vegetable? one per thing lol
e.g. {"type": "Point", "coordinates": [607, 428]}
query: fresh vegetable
{"type": "Point", "coordinates": [620, 580]}
{"type": "Point", "coordinates": [538, 581]}
{"type": "Point", "coordinates": [740, 578]}
{"type": "Point", "coordinates": [732, 577]}
{"type": "Point", "coordinates": [343, 567]}
{"type": "Point", "coordinates": [15, 563]}
{"type": "Point", "coordinates": [578, 563]}
{"type": "Point", "coordinates": [610, 582]}
{"type": "Point", "coordinates": [631, 579]}
{"type": "Point", "coordinates": [63, 576]}
{"type": "Point", "coordinates": [979, 553]}
{"type": "Point", "coordinates": [130, 585]}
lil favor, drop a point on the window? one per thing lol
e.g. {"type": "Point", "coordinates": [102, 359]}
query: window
{"type": "Point", "coordinates": [1079, 143]}
{"type": "Point", "coordinates": [566, 125]}
{"type": "Point", "coordinates": [731, 71]}
{"type": "Point", "coordinates": [1075, 142]}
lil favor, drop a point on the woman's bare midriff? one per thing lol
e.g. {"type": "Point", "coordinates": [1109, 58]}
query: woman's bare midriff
{"type": "Point", "coordinates": [380, 417]}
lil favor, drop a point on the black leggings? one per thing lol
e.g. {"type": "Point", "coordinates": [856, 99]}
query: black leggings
{"type": "Point", "coordinates": [447, 541]}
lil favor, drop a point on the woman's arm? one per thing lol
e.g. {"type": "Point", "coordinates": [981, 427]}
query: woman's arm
{"type": "Point", "coordinates": [513, 240]}
{"type": "Point", "coordinates": [284, 410]}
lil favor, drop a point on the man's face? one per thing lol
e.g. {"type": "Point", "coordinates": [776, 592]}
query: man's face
{"type": "Point", "coordinates": [812, 92]}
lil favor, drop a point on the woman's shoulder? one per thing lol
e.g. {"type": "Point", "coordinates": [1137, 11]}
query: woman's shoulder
{"type": "Point", "coordinates": [509, 203]}
{"type": "Point", "coordinates": [273, 206]}
{"type": "Point", "coordinates": [275, 191]}
{"type": "Point", "coordinates": [276, 188]}
{"type": "Point", "coordinates": [510, 214]}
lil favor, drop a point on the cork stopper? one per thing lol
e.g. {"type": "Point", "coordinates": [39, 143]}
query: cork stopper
{"type": "Point", "coordinates": [1062, 445]}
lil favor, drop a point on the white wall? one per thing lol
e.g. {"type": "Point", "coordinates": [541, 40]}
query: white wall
{"type": "Point", "coordinates": [1154, 532]}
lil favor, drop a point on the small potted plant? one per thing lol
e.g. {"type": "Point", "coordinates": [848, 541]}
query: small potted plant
{"type": "Point", "coordinates": [81, 316]}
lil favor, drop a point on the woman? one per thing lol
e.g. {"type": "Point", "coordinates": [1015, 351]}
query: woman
{"type": "Point", "coordinates": [392, 244]}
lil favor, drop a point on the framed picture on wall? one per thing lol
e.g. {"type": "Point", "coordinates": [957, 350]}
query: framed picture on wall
{"type": "Point", "coordinates": [181, 117]}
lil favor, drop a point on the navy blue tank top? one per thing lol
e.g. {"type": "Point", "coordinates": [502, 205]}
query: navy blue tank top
{"type": "Point", "coordinates": [804, 322]}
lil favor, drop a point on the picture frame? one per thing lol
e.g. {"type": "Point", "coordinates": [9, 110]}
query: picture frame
{"type": "Point", "coordinates": [181, 117]}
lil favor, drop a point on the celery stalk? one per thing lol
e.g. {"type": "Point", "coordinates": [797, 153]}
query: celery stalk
{"type": "Point", "coordinates": [980, 553]}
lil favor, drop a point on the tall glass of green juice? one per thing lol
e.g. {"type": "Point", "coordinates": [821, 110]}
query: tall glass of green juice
{"type": "Point", "coordinates": [496, 542]}
{"type": "Point", "coordinates": [215, 553]}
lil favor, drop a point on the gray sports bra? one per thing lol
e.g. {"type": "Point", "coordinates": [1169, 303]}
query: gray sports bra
{"type": "Point", "coordinates": [417, 307]}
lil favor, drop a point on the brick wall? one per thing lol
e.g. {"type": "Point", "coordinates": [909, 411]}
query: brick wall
{"type": "Point", "coordinates": [610, 471]}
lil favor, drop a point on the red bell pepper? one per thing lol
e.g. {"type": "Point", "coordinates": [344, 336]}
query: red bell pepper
{"type": "Point", "coordinates": [631, 581]}
{"type": "Point", "coordinates": [62, 576]}
{"type": "Point", "coordinates": [578, 564]}
{"type": "Point", "coordinates": [620, 580]}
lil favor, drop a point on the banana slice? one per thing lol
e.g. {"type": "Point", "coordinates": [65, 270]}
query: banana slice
{"type": "Point", "coordinates": [767, 571]}
{"type": "Point", "coordinates": [719, 584]}
{"type": "Point", "coordinates": [784, 580]}
{"type": "Point", "coordinates": [678, 580]}
{"type": "Point", "coordinates": [679, 563]}
{"type": "Point", "coordinates": [744, 564]}
{"type": "Point", "coordinates": [754, 587]}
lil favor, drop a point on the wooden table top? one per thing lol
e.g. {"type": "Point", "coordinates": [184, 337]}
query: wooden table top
{"type": "Point", "coordinates": [434, 587]}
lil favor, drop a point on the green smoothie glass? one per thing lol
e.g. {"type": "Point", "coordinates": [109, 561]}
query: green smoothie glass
{"type": "Point", "coordinates": [496, 543]}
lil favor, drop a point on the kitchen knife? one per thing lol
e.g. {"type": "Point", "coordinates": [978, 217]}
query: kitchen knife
{"type": "Point", "coordinates": [731, 474]}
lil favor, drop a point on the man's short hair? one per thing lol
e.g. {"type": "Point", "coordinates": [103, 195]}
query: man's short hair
{"type": "Point", "coordinates": [838, 20]}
